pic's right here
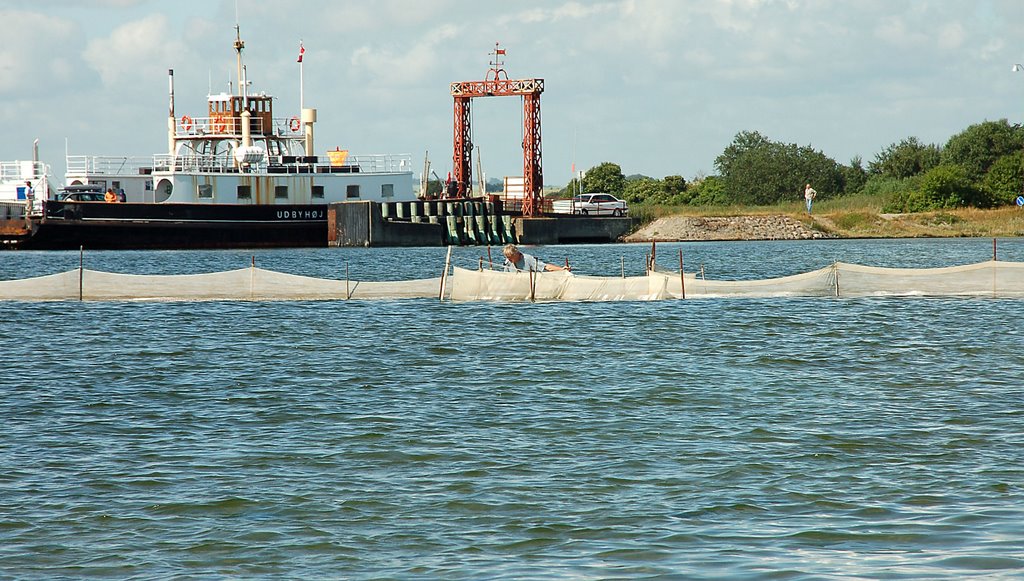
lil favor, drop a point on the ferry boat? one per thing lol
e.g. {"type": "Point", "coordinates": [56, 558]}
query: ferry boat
{"type": "Point", "coordinates": [236, 177]}
{"type": "Point", "coordinates": [25, 185]}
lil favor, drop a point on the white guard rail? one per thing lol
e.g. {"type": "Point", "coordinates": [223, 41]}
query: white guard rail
{"type": "Point", "coordinates": [113, 165]}
{"type": "Point", "coordinates": [20, 171]}
{"type": "Point", "coordinates": [186, 126]}
{"type": "Point", "coordinates": [367, 164]}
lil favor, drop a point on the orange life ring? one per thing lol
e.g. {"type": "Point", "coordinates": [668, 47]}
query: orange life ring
{"type": "Point", "coordinates": [186, 122]}
{"type": "Point", "coordinates": [293, 123]}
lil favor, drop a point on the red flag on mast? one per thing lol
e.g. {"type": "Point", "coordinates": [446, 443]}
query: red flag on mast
{"type": "Point", "coordinates": [302, 51]}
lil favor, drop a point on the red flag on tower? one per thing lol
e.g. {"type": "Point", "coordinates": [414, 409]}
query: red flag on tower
{"type": "Point", "coordinates": [302, 51]}
{"type": "Point", "coordinates": [499, 51]}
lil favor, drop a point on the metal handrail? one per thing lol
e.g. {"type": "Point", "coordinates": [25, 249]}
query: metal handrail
{"type": "Point", "coordinates": [370, 164]}
{"type": "Point", "coordinates": [186, 126]}
{"type": "Point", "coordinates": [15, 170]}
{"type": "Point", "coordinates": [106, 164]}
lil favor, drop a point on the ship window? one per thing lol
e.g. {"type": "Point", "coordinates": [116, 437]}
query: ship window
{"type": "Point", "coordinates": [352, 191]}
{"type": "Point", "coordinates": [281, 192]}
{"type": "Point", "coordinates": [387, 191]}
{"type": "Point", "coordinates": [318, 192]}
{"type": "Point", "coordinates": [244, 192]}
{"type": "Point", "coordinates": [205, 190]}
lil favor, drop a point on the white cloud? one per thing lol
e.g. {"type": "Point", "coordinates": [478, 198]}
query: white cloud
{"type": "Point", "coordinates": [396, 68]}
{"type": "Point", "coordinates": [141, 48]}
{"type": "Point", "coordinates": [567, 11]}
{"type": "Point", "coordinates": [32, 50]}
{"type": "Point", "coordinates": [951, 36]}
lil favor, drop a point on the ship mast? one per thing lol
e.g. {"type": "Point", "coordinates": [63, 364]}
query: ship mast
{"type": "Point", "coordinates": [239, 45]}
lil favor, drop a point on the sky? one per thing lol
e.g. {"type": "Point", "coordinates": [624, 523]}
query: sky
{"type": "Point", "coordinates": [659, 87]}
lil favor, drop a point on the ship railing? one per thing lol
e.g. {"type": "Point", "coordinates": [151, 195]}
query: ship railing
{"type": "Point", "coordinates": [21, 171]}
{"type": "Point", "coordinates": [193, 163]}
{"type": "Point", "coordinates": [12, 211]}
{"type": "Point", "coordinates": [107, 165]}
{"type": "Point", "coordinates": [374, 163]}
{"type": "Point", "coordinates": [286, 127]}
{"type": "Point", "coordinates": [381, 163]}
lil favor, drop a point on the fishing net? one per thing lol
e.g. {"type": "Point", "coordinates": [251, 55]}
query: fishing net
{"type": "Point", "coordinates": [991, 279]}
{"type": "Point", "coordinates": [492, 285]}
{"type": "Point", "coordinates": [255, 284]}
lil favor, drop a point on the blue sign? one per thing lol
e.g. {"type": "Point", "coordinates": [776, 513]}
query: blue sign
{"type": "Point", "coordinates": [1020, 200]}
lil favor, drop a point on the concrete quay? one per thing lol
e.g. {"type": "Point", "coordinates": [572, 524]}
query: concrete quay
{"type": "Point", "coordinates": [460, 223]}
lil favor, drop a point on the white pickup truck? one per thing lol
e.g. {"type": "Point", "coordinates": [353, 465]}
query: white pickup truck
{"type": "Point", "coordinates": [596, 204]}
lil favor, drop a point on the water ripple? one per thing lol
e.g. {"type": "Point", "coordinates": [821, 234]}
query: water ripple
{"type": "Point", "coordinates": [749, 439]}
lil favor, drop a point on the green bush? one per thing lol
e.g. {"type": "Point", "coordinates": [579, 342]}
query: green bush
{"type": "Point", "coordinates": [944, 186]}
{"type": "Point", "coordinates": [905, 159]}
{"type": "Point", "coordinates": [978, 147]}
{"type": "Point", "coordinates": [758, 171]}
{"type": "Point", "coordinates": [605, 177]}
{"type": "Point", "coordinates": [1005, 179]}
{"type": "Point", "coordinates": [950, 186]}
{"type": "Point", "coordinates": [854, 176]}
{"type": "Point", "coordinates": [887, 186]}
{"type": "Point", "coordinates": [708, 192]}
{"type": "Point", "coordinates": [643, 190]}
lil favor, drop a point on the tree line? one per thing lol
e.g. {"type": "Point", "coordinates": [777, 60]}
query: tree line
{"type": "Point", "coordinates": [982, 166]}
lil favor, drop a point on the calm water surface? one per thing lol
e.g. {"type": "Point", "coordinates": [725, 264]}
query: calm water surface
{"type": "Point", "coordinates": [777, 438]}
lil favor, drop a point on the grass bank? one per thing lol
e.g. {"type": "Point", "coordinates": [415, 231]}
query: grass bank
{"type": "Point", "coordinates": [862, 217]}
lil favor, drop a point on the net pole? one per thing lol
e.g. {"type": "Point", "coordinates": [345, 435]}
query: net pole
{"type": "Point", "coordinates": [835, 268]}
{"type": "Point", "coordinates": [81, 271]}
{"type": "Point", "coordinates": [682, 278]}
{"type": "Point", "coordinates": [444, 273]}
{"type": "Point", "coordinates": [995, 287]}
{"type": "Point", "coordinates": [533, 288]}
{"type": "Point", "coordinates": [490, 260]}
{"type": "Point", "coordinates": [623, 258]}
{"type": "Point", "coordinates": [348, 294]}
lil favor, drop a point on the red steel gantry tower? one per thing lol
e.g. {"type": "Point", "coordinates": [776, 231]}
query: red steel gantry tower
{"type": "Point", "coordinates": [497, 84]}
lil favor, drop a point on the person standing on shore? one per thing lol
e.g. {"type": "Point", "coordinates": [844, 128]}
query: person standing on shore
{"type": "Point", "coordinates": [809, 195]}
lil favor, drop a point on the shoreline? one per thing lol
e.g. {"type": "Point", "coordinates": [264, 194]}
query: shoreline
{"type": "Point", "coordinates": [720, 228]}
{"type": "Point", "coordinates": [852, 224]}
